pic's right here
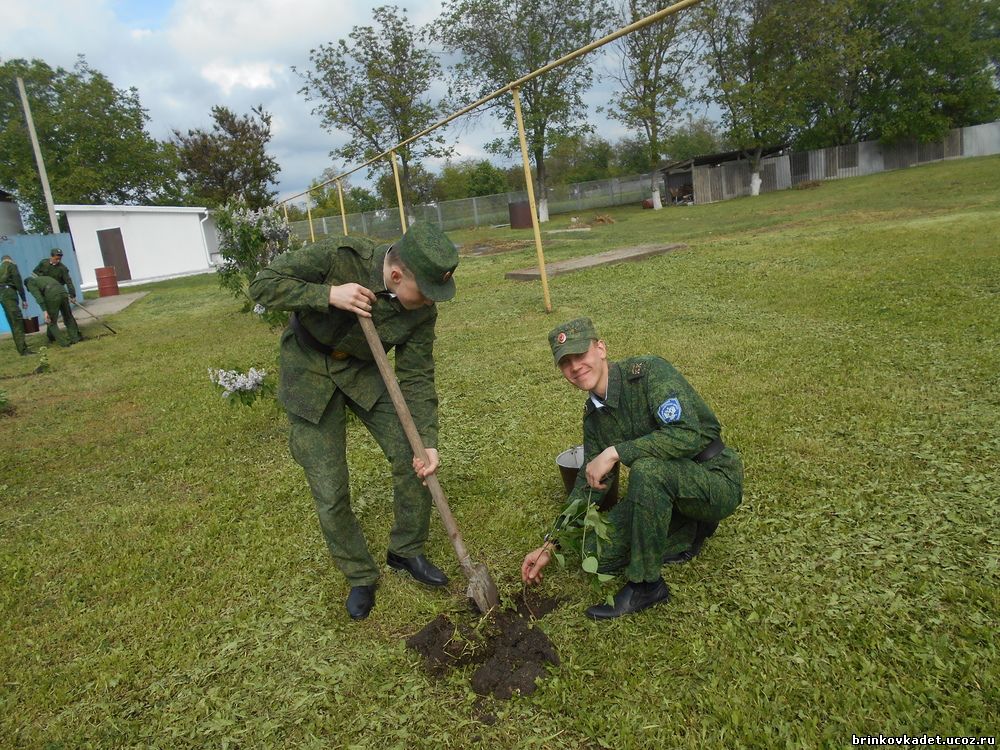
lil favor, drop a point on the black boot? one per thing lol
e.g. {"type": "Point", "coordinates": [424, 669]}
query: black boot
{"type": "Point", "coordinates": [419, 567]}
{"type": "Point", "coordinates": [360, 601]}
{"type": "Point", "coordinates": [705, 530]}
{"type": "Point", "coordinates": [632, 598]}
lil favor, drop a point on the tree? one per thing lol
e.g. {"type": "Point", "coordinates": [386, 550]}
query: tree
{"type": "Point", "coordinates": [469, 178]}
{"type": "Point", "coordinates": [751, 58]}
{"type": "Point", "coordinates": [422, 187]}
{"type": "Point", "coordinates": [631, 156]}
{"type": "Point", "coordinates": [231, 161]}
{"type": "Point", "coordinates": [501, 41]}
{"type": "Point", "coordinates": [375, 88]}
{"type": "Point", "coordinates": [696, 137]}
{"type": "Point", "coordinates": [580, 158]}
{"type": "Point", "coordinates": [653, 65]}
{"type": "Point", "coordinates": [485, 179]}
{"type": "Point", "coordinates": [900, 69]}
{"type": "Point", "coordinates": [325, 197]}
{"type": "Point", "coordinates": [92, 137]}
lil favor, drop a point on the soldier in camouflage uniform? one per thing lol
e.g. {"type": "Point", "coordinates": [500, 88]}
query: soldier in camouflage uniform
{"type": "Point", "coordinates": [54, 268]}
{"type": "Point", "coordinates": [52, 297]}
{"type": "Point", "coordinates": [326, 365]}
{"type": "Point", "coordinates": [11, 289]}
{"type": "Point", "coordinates": [642, 413]}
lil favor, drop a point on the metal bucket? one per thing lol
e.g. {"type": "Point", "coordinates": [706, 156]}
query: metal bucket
{"type": "Point", "coordinates": [569, 463]}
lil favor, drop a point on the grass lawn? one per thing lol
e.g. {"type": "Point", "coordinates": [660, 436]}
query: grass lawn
{"type": "Point", "coordinates": [164, 582]}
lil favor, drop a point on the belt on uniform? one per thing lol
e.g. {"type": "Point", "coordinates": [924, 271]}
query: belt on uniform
{"type": "Point", "coordinates": [714, 449]}
{"type": "Point", "coordinates": [8, 286]}
{"type": "Point", "coordinates": [311, 342]}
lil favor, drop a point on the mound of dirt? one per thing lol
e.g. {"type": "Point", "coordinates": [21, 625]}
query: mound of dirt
{"type": "Point", "coordinates": [511, 652]}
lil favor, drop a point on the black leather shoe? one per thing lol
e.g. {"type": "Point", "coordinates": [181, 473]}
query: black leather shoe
{"type": "Point", "coordinates": [705, 530]}
{"type": "Point", "coordinates": [633, 597]}
{"type": "Point", "coordinates": [360, 601]}
{"type": "Point", "coordinates": [419, 567]}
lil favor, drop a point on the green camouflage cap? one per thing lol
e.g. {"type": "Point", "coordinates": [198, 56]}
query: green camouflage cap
{"type": "Point", "coordinates": [572, 338]}
{"type": "Point", "coordinates": [56, 251]}
{"type": "Point", "coordinates": [432, 258]}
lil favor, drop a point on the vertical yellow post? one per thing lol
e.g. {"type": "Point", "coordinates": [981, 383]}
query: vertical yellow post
{"type": "Point", "coordinates": [309, 213]}
{"type": "Point", "coordinates": [399, 191]}
{"type": "Point", "coordinates": [343, 213]}
{"type": "Point", "coordinates": [531, 199]}
{"type": "Point", "coordinates": [284, 207]}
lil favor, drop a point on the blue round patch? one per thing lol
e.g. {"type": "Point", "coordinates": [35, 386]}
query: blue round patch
{"type": "Point", "coordinates": [669, 411]}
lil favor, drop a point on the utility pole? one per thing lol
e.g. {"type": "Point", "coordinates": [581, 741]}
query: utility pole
{"type": "Point", "coordinates": [38, 157]}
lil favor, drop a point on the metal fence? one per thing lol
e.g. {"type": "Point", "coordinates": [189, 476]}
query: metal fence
{"type": "Point", "coordinates": [729, 180]}
{"type": "Point", "coordinates": [732, 180]}
{"type": "Point", "coordinates": [488, 210]}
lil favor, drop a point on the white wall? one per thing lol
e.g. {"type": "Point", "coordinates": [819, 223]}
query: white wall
{"type": "Point", "coordinates": [160, 242]}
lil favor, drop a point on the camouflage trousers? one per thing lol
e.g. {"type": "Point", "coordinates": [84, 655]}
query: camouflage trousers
{"type": "Point", "coordinates": [660, 511]}
{"type": "Point", "coordinates": [11, 308]}
{"type": "Point", "coordinates": [321, 450]}
{"type": "Point", "coordinates": [56, 304]}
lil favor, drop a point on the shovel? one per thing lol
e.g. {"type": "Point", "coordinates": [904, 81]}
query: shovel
{"type": "Point", "coordinates": [482, 590]}
{"type": "Point", "coordinates": [81, 307]}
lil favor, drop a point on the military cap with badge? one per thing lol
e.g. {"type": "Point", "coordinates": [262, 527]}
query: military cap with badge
{"type": "Point", "coordinates": [573, 337]}
{"type": "Point", "coordinates": [432, 258]}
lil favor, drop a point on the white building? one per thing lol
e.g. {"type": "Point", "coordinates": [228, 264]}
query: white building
{"type": "Point", "coordinates": [142, 243]}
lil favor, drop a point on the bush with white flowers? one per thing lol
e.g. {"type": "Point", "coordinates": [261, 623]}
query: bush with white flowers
{"type": "Point", "coordinates": [241, 387]}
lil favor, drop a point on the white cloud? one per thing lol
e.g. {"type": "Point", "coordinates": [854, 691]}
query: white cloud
{"type": "Point", "coordinates": [256, 75]}
{"type": "Point", "coordinates": [200, 53]}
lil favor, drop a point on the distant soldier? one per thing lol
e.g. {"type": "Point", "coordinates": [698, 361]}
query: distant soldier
{"type": "Point", "coordinates": [10, 289]}
{"type": "Point", "coordinates": [52, 297]}
{"type": "Point", "coordinates": [55, 269]}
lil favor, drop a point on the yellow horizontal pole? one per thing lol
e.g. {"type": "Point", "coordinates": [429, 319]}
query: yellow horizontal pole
{"type": "Point", "coordinates": [640, 24]}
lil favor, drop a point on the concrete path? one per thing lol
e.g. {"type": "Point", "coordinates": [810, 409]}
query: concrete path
{"type": "Point", "coordinates": [590, 261]}
{"type": "Point", "coordinates": [101, 307]}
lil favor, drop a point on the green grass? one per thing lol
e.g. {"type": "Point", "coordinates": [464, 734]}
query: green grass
{"type": "Point", "coordinates": [164, 583]}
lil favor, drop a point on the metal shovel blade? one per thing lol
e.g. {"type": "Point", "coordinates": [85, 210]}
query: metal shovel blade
{"type": "Point", "coordinates": [482, 589]}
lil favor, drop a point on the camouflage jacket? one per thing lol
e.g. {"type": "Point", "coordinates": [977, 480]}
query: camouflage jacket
{"type": "Point", "coordinates": [46, 290]}
{"type": "Point", "coordinates": [300, 281]}
{"type": "Point", "coordinates": [59, 272]}
{"type": "Point", "coordinates": [11, 276]}
{"type": "Point", "coordinates": [650, 411]}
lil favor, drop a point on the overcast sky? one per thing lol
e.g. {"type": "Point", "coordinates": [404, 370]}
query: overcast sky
{"type": "Point", "coordinates": [184, 56]}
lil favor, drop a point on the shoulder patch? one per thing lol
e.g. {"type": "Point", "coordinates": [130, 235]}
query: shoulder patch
{"type": "Point", "coordinates": [669, 411]}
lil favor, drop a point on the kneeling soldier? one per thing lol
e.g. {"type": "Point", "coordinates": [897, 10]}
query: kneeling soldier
{"type": "Point", "coordinates": [683, 480]}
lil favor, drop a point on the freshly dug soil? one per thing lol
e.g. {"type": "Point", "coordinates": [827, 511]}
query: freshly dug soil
{"type": "Point", "coordinates": [511, 652]}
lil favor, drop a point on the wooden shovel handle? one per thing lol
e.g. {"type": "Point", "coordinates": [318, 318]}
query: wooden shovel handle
{"type": "Point", "coordinates": [406, 419]}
